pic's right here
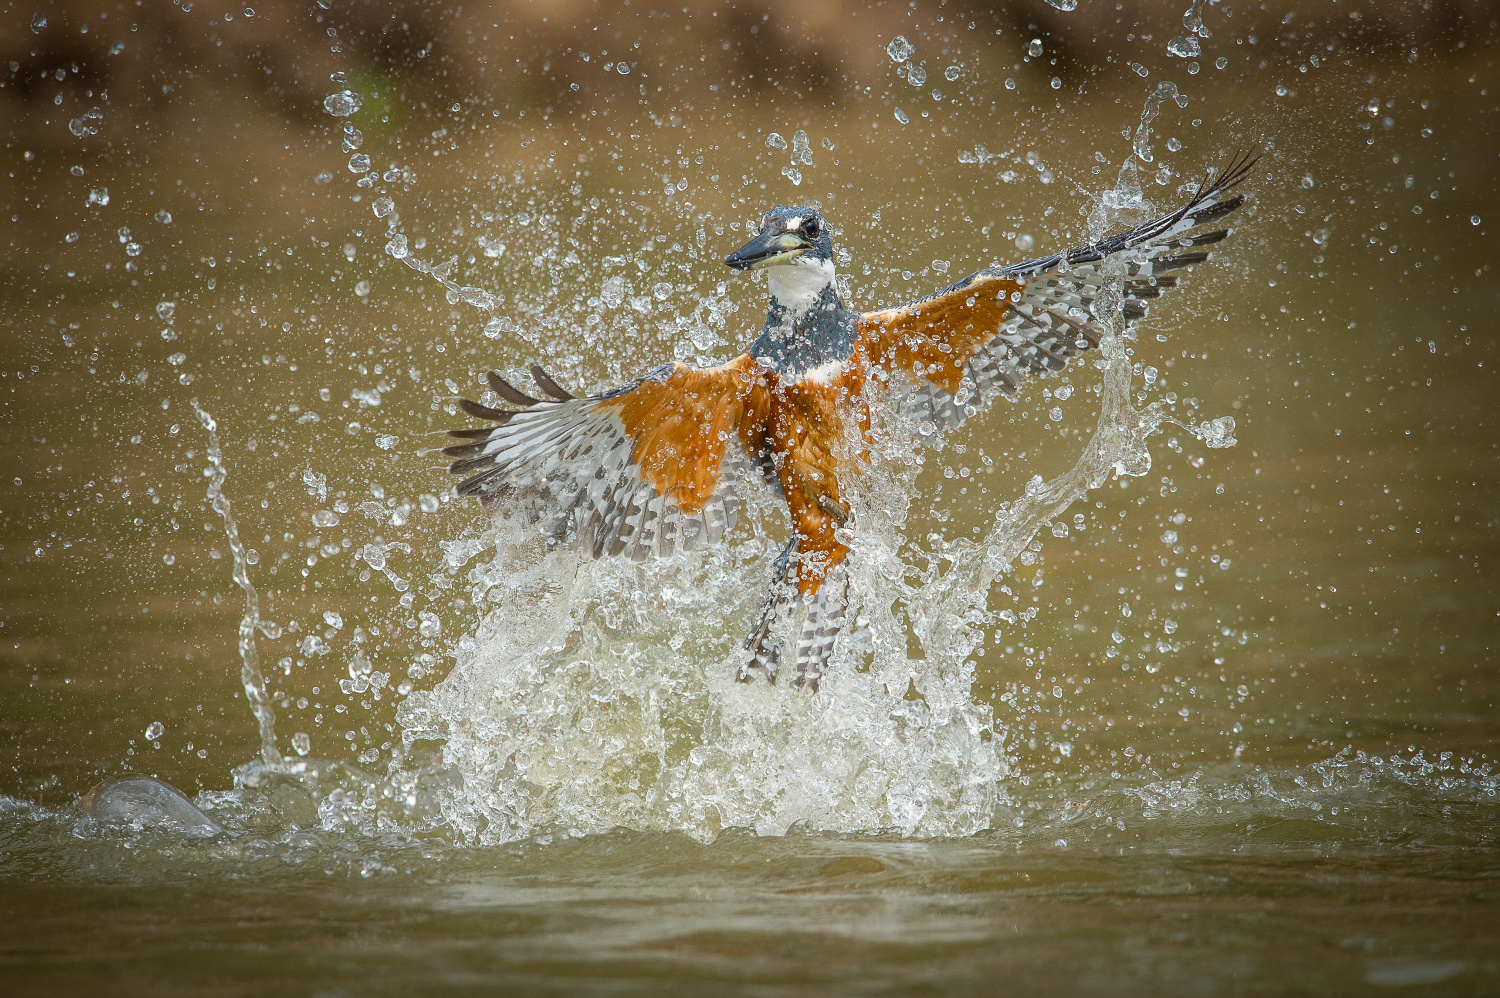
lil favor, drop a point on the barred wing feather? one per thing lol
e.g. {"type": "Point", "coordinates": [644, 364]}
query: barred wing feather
{"type": "Point", "coordinates": [639, 471]}
{"type": "Point", "coordinates": [990, 332]}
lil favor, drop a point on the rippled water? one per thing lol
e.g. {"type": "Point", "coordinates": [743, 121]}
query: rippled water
{"type": "Point", "coordinates": [1224, 723]}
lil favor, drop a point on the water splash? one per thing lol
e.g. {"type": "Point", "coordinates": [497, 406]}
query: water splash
{"type": "Point", "coordinates": [250, 675]}
{"type": "Point", "coordinates": [600, 695]}
{"type": "Point", "coordinates": [1142, 142]}
{"type": "Point", "coordinates": [1192, 18]}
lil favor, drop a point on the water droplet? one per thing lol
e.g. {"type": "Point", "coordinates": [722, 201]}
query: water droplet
{"type": "Point", "coordinates": [429, 625]}
{"type": "Point", "coordinates": [951, 73]}
{"type": "Point", "coordinates": [87, 123]}
{"type": "Point", "coordinates": [301, 743]}
{"type": "Point", "coordinates": [1217, 433]}
{"type": "Point", "coordinates": [1281, 90]}
{"type": "Point", "coordinates": [155, 730]}
{"type": "Point", "coordinates": [39, 21]}
{"type": "Point", "coordinates": [1220, 62]}
{"type": "Point", "coordinates": [1140, 70]}
{"type": "Point", "coordinates": [374, 556]}
{"type": "Point", "coordinates": [1035, 48]}
{"type": "Point", "coordinates": [1185, 48]}
{"type": "Point", "coordinates": [428, 503]}
{"type": "Point", "coordinates": [899, 49]}
{"type": "Point", "coordinates": [177, 358]}
{"type": "Point", "coordinates": [359, 163]}
{"type": "Point", "coordinates": [338, 77]}
{"type": "Point", "coordinates": [775, 141]}
{"type": "Point", "coordinates": [1056, 83]}
{"type": "Point", "coordinates": [937, 94]}
{"type": "Point", "coordinates": [801, 148]}
{"type": "Point", "coordinates": [622, 68]}
{"type": "Point", "coordinates": [166, 309]}
{"type": "Point", "coordinates": [164, 217]}
{"type": "Point", "coordinates": [99, 196]}
{"type": "Point", "coordinates": [917, 75]}
{"type": "Point", "coordinates": [1024, 242]}
{"type": "Point", "coordinates": [901, 116]}
{"type": "Point", "coordinates": [1062, 393]}
{"type": "Point", "coordinates": [362, 288]}
{"type": "Point", "coordinates": [1010, 84]}
{"type": "Point", "coordinates": [383, 207]}
{"type": "Point", "coordinates": [1474, 219]}
{"type": "Point", "coordinates": [793, 174]}
{"type": "Point", "coordinates": [396, 246]}
{"type": "Point", "coordinates": [1055, 414]}
{"type": "Point", "coordinates": [169, 559]}
{"type": "Point", "coordinates": [343, 103]}
{"type": "Point", "coordinates": [325, 518]}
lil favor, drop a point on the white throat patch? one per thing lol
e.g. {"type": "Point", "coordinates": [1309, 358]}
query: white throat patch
{"type": "Point", "coordinates": [797, 285]}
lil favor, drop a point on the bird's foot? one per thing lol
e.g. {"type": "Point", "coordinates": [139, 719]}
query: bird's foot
{"type": "Point", "coordinates": [836, 512]}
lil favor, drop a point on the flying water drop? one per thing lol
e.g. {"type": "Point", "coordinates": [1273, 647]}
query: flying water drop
{"type": "Point", "coordinates": [1185, 48]}
{"type": "Point", "coordinates": [343, 103]}
{"type": "Point", "coordinates": [899, 49]}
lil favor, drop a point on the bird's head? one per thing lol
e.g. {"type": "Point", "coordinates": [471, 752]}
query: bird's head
{"type": "Point", "coordinates": [787, 235]}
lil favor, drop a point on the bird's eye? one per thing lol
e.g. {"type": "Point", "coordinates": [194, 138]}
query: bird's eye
{"type": "Point", "coordinates": [812, 227]}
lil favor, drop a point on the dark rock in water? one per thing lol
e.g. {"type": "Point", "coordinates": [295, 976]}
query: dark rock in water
{"type": "Point", "coordinates": [145, 802]}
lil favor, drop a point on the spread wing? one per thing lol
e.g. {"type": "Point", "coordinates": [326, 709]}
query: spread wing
{"type": "Point", "coordinates": [992, 330]}
{"type": "Point", "coordinates": [644, 469]}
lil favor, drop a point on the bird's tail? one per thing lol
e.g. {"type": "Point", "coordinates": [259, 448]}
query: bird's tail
{"type": "Point", "coordinates": [824, 621]}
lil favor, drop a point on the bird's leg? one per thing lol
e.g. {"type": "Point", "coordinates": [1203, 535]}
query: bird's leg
{"type": "Point", "coordinates": [765, 654]}
{"type": "Point", "coordinates": [825, 619]}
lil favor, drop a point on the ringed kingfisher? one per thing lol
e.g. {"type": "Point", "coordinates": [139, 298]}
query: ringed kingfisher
{"type": "Point", "coordinates": [653, 466]}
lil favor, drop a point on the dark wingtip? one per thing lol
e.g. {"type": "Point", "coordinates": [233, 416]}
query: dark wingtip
{"type": "Point", "coordinates": [478, 431]}
{"type": "Point", "coordinates": [509, 392]}
{"type": "Point", "coordinates": [545, 383]}
{"type": "Point", "coordinates": [483, 411]}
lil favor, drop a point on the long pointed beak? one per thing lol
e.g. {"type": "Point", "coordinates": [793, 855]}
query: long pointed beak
{"type": "Point", "coordinates": [767, 250]}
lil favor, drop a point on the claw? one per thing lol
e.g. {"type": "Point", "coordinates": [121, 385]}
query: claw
{"type": "Point", "coordinates": [834, 510]}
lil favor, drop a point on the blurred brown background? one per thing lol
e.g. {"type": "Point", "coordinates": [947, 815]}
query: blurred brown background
{"type": "Point", "coordinates": [153, 59]}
